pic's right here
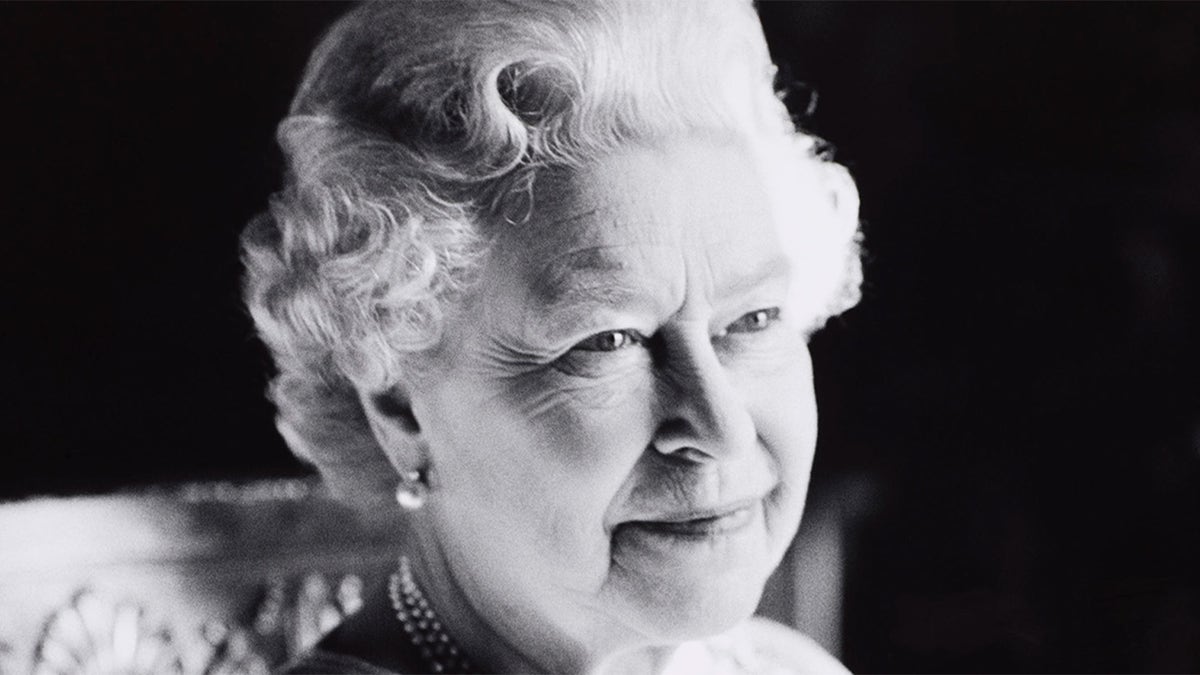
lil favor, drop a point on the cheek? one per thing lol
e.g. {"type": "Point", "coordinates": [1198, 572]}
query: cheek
{"type": "Point", "coordinates": [785, 414]}
{"type": "Point", "coordinates": [545, 466]}
{"type": "Point", "coordinates": [586, 423]}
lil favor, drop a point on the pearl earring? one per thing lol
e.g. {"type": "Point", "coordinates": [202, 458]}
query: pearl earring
{"type": "Point", "coordinates": [412, 490]}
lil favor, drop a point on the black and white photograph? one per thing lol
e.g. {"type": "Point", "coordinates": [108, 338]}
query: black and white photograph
{"type": "Point", "coordinates": [671, 337]}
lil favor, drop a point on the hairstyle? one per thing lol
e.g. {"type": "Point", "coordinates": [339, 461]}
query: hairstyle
{"type": "Point", "coordinates": [418, 132]}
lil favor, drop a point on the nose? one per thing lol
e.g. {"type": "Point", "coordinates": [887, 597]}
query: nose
{"type": "Point", "coordinates": [704, 414]}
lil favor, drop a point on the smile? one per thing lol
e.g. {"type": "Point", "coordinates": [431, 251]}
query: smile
{"type": "Point", "coordinates": [700, 524]}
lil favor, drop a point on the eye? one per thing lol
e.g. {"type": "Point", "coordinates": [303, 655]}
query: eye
{"type": "Point", "coordinates": [753, 322]}
{"type": "Point", "coordinates": [610, 341]}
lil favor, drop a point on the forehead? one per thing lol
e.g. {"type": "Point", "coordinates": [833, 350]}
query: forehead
{"type": "Point", "coordinates": [642, 207]}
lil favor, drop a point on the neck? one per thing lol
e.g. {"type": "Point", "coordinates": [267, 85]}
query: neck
{"type": "Point", "coordinates": [519, 641]}
{"type": "Point", "coordinates": [485, 647]}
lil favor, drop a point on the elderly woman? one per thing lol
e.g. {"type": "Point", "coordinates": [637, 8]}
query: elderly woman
{"type": "Point", "coordinates": [545, 272]}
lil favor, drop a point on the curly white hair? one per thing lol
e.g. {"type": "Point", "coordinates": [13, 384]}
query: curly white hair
{"type": "Point", "coordinates": [417, 134]}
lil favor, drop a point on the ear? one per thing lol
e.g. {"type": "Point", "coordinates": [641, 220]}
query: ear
{"type": "Point", "coordinates": [395, 427]}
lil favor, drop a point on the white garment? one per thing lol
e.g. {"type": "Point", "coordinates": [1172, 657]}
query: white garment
{"type": "Point", "coordinates": [758, 646]}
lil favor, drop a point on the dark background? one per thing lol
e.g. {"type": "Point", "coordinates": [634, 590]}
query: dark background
{"type": "Point", "coordinates": [1016, 396]}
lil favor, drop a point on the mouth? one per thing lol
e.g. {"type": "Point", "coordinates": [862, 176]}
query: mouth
{"type": "Point", "coordinates": [699, 524]}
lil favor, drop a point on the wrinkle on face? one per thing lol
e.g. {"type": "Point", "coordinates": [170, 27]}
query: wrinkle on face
{"type": "Point", "coordinates": [547, 450]}
{"type": "Point", "coordinates": [572, 289]}
{"type": "Point", "coordinates": [673, 484]}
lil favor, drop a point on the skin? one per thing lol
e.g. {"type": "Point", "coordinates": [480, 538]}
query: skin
{"type": "Point", "coordinates": [619, 427]}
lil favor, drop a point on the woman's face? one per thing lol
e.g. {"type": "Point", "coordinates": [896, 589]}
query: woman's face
{"type": "Point", "coordinates": [620, 427]}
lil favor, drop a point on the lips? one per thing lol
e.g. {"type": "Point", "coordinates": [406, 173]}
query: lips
{"type": "Point", "coordinates": [698, 523]}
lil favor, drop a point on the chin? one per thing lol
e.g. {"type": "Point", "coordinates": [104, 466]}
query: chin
{"type": "Point", "coordinates": [684, 587]}
{"type": "Point", "coordinates": [674, 608]}
{"type": "Point", "coordinates": [706, 613]}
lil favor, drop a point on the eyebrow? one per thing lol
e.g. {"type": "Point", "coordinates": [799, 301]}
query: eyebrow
{"type": "Point", "coordinates": [778, 267]}
{"type": "Point", "coordinates": [569, 288]}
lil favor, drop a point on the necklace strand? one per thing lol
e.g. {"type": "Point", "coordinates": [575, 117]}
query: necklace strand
{"type": "Point", "coordinates": [438, 650]}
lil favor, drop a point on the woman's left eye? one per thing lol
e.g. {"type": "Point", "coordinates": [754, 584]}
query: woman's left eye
{"type": "Point", "coordinates": [753, 322]}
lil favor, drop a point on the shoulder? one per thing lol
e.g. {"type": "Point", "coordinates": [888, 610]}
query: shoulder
{"type": "Point", "coordinates": [757, 646]}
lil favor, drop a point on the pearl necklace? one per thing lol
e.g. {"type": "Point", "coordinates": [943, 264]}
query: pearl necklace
{"type": "Point", "coordinates": [439, 653]}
